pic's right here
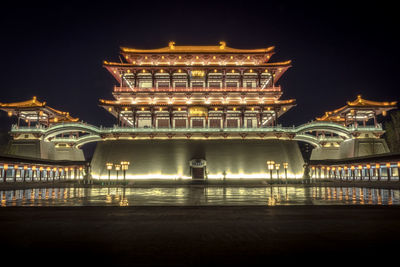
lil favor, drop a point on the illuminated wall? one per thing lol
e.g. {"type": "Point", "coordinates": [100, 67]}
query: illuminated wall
{"type": "Point", "coordinates": [159, 159]}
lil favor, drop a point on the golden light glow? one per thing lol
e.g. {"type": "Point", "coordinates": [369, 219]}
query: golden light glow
{"type": "Point", "coordinates": [198, 111]}
{"type": "Point", "coordinates": [109, 165]}
{"type": "Point", "coordinates": [198, 73]}
{"type": "Point", "coordinates": [388, 165]}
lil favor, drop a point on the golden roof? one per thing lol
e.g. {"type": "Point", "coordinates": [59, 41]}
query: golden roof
{"type": "Point", "coordinates": [24, 104]}
{"type": "Point", "coordinates": [363, 102]}
{"type": "Point", "coordinates": [56, 115]}
{"type": "Point", "coordinates": [337, 115]}
{"type": "Point", "coordinates": [221, 48]}
{"type": "Point", "coordinates": [268, 64]}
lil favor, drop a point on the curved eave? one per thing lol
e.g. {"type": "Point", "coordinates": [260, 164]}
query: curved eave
{"type": "Point", "coordinates": [23, 104]}
{"type": "Point", "coordinates": [196, 50]}
{"type": "Point", "coordinates": [111, 103]}
{"type": "Point", "coordinates": [130, 65]}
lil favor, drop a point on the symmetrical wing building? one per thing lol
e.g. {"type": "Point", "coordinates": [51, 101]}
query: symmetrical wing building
{"type": "Point", "coordinates": [198, 112]}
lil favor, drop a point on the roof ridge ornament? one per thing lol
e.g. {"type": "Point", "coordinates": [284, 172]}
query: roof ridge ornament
{"type": "Point", "coordinates": [171, 45]}
{"type": "Point", "coordinates": [222, 45]}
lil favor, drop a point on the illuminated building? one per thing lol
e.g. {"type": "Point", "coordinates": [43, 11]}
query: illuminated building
{"type": "Point", "coordinates": [198, 112]}
{"type": "Point", "coordinates": [197, 87]}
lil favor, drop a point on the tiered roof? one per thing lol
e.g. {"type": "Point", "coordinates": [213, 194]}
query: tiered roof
{"type": "Point", "coordinates": [33, 107]}
{"type": "Point", "coordinates": [359, 104]}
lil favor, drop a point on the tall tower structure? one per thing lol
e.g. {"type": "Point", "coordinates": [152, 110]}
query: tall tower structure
{"type": "Point", "coordinates": [198, 111]}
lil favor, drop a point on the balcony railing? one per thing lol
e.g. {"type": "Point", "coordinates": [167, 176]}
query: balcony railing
{"type": "Point", "coordinates": [119, 89]}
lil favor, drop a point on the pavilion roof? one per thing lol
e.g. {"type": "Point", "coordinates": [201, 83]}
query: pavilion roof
{"type": "Point", "coordinates": [222, 48]}
{"type": "Point", "coordinates": [286, 63]}
{"type": "Point", "coordinates": [338, 115]}
{"type": "Point", "coordinates": [34, 105]}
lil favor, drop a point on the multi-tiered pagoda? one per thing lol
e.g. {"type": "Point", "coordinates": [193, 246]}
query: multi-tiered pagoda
{"type": "Point", "coordinates": [197, 111]}
{"type": "Point", "coordinates": [197, 87]}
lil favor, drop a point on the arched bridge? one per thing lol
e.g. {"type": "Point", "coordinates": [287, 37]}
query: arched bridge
{"type": "Point", "coordinates": [78, 134]}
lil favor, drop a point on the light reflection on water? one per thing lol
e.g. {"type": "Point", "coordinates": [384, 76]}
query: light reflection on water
{"type": "Point", "coordinates": [197, 196]}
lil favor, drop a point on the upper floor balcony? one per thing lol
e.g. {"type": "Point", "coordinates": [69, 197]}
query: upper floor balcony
{"type": "Point", "coordinates": [127, 89]}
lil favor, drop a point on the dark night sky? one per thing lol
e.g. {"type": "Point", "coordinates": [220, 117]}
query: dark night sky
{"type": "Point", "coordinates": [55, 51]}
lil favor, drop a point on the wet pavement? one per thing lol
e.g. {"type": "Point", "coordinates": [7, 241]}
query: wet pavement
{"type": "Point", "coordinates": [198, 196]}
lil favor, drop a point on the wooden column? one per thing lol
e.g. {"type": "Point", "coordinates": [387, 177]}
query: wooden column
{"type": "Point", "coordinates": [134, 117]}
{"type": "Point", "coordinates": [223, 78]}
{"type": "Point", "coordinates": [170, 110]}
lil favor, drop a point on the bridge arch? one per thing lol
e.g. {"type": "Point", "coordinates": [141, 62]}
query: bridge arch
{"type": "Point", "coordinates": [328, 127]}
{"type": "Point", "coordinates": [70, 127]}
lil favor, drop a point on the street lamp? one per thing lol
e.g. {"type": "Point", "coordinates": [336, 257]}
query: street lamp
{"type": "Point", "coordinates": [388, 169]}
{"type": "Point", "coordinates": [353, 172]}
{"type": "Point", "coordinates": [109, 166]}
{"type": "Point", "coordinates": [277, 167]}
{"type": "Point", "coordinates": [5, 168]}
{"type": "Point", "coordinates": [360, 171]}
{"type": "Point", "coordinates": [117, 169]}
{"type": "Point", "coordinates": [378, 171]}
{"type": "Point", "coordinates": [285, 167]}
{"type": "Point", "coordinates": [369, 171]}
{"type": "Point", "coordinates": [270, 165]}
{"type": "Point", "coordinates": [124, 165]}
{"type": "Point", "coordinates": [340, 173]}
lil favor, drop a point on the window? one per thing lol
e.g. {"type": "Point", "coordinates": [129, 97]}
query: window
{"type": "Point", "coordinates": [215, 123]}
{"type": "Point", "coordinates": [146, 84]}
{"type": "Point", "coordinates": [249, 84]}
{"type": "Point", "coordinates": [163, 85]}
{"type": "Point", "coordinates": [231, 84]}
{"type": "Point", "coordinates": [180, 84]}
{"type": "Point", "coordinates": [197, 123]}
{"type": "Point", "coordinates": [163, 123]}
{"type": "Point", "coordinates": [197, 85]}
{"type": "Point", "coordinates": [249, 123]}
{"type": "Point", "coordinates": [180, 123]}
{"type": "Point", "coordinates": [232, 123]}
{"type": "Point", "coordinates": [214, 84]}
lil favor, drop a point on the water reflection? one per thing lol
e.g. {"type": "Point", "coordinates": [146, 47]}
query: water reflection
{"type": "Point", "coordinates": [199, 195]}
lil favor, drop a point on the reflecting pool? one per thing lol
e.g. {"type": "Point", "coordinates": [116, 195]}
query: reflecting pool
{"type": "Point", "coordinates": [199, 196]}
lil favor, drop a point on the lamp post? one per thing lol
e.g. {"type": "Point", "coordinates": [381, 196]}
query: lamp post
{"type": "Point", "coordinates": [33, 173]}
{"type": "Point", "coordinates": [25, 169]}
{"type": "Point", "coordinates": [328, 169]}
{"type": "Point", "coordinates": [109, 166]}
{"type": "Point", "coordinates": [388, 169]}
{"type": "Point", "coordinates": [360, 172]}
{"type": "Point", "coordinates": [277, 167]}
{"type": "Point", "coordinates": [117, 169]}
{"type": "Point", "coordinates": [285, 167]}
{"type": "Point", "coordinates": [378, 171]}
{"type": "Point", "coordinates": [346, 173]}
{"type": "Point", "coordinates": [5, 168]}
{"type": "Point", "coordinates": [15, 173]}
{"type": "Point", "coordinates": [54, 173]}
{"type": "Point", "coordinates": [270, 165]}
{"type": "Point", "coordinates": [353, 172]}
{"type": "Point", "coordinates": [124, 165]}
{"type": "Point", "coordinates": [340, 173]}
{"type": "Point", "coordinates": [369, 171]}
